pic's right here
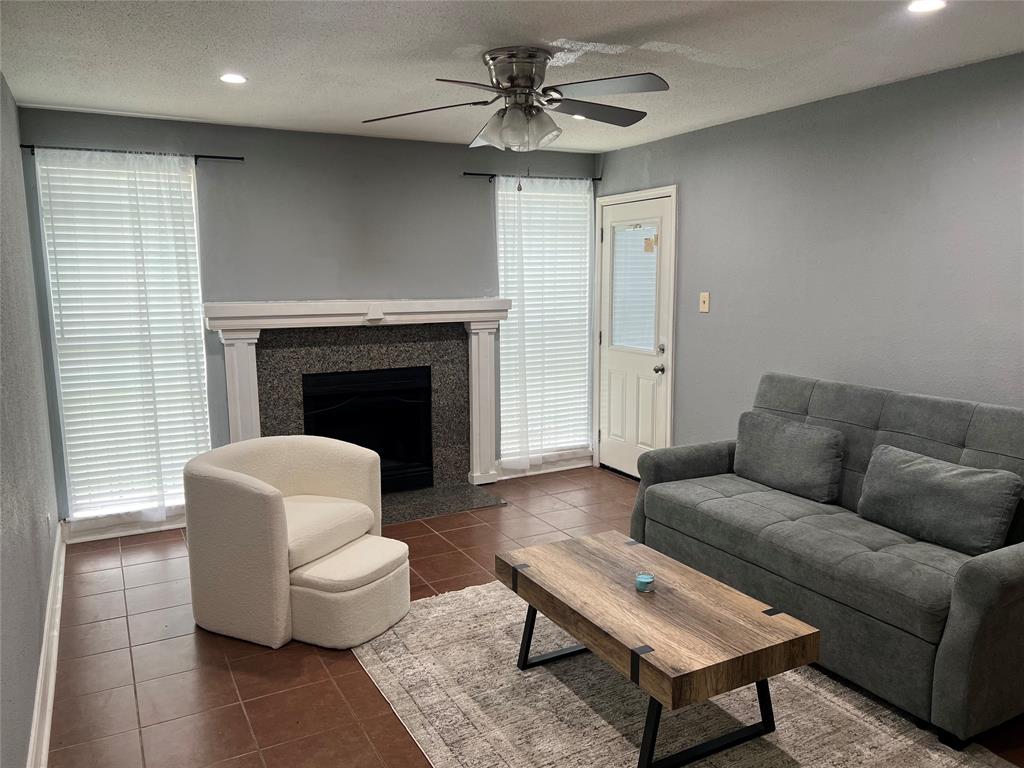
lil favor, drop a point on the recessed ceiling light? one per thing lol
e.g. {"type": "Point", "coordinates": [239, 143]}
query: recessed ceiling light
{"type": "Point", "coordinates": [926, 6]}
{"type": "Point", "coordinates": [236, 79]}
{"type": "Point", "coordinates": [579, 117]}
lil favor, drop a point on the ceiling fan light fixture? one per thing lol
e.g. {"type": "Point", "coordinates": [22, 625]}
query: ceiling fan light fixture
{"type": "Point", "coordinates": [515, 129]}
{"type": "Point", "coordinates": [490, 134]}
{"type": "Point", "coordinates": [543, 130]}
{"type": "Point", "coordinates": [517, 75]}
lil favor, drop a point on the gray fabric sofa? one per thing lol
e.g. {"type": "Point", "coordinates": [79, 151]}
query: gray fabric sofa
{"type": "Point", "coordinates": [937, 633]}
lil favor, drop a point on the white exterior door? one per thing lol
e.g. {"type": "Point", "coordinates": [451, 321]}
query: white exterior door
{"type": "Point", "coordinates": [635, 340]}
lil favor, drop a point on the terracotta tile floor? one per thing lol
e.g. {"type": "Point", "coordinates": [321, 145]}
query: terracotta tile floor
{"type": "Point", "coordinates": [138, 684]}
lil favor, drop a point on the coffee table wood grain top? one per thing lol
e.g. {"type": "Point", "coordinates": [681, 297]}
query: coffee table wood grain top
{"type": "Point", "coordinates": [690, 639]}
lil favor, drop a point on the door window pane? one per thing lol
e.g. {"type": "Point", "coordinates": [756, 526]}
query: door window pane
{"type": "Point", "coordinates": [634, 286]}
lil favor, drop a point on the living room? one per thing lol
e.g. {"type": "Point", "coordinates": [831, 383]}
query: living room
{"type": "Point", "coordinates": [467, 384]}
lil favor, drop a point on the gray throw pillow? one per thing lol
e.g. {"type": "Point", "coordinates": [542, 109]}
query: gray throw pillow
{"type": "Point", "coordinates": [956, 507]}
{"type": "Point", "coordinates": [803, 459]}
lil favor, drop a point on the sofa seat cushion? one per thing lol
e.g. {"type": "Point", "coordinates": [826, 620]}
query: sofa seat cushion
{"type": "Point", "coordinates": [318, 525]}
{"type": "Point", "coordinates": [823, 547]}
{"type": "Point", "coordinates": [354, 565]}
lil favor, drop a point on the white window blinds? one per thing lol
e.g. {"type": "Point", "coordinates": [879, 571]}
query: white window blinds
{"type": "Point", "coordinates": [123, 267]}
{"type": "Point", "coordinates": [545, 232]}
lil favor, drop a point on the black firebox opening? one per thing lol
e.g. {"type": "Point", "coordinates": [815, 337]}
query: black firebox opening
{"type": "Point", "coordinates": [386, 410]}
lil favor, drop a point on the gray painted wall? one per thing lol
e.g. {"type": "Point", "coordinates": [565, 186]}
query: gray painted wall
{"type": "Point", "coordinates": [28, 507]}
{"type": "Point", "coordinates": [321, 216]}
{"type": "Point", "coordinates": [874, 238]}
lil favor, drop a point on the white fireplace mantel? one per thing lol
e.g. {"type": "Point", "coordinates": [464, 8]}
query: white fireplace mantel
{"type": "Point", "coordinates": [240, 323]}
{"type": "Point", "coordinates": [256, 315]}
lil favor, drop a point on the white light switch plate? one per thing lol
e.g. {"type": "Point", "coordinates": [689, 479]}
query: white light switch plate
{"type": "Point", "coordinates": [705, 302]}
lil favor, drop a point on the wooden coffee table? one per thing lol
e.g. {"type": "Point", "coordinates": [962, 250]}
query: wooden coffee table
{"type": "Point", "coordinates": [690, 639]}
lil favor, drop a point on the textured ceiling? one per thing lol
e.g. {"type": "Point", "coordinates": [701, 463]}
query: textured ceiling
{"type": "Point", "coordinates": [325, 66]}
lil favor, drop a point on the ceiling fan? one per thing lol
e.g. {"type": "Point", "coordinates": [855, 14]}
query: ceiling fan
{"type": "Point", "coordinates": [523, 123]}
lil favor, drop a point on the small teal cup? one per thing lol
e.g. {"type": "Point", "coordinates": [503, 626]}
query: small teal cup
{"type": "Point", "coordinates": [644, 581]}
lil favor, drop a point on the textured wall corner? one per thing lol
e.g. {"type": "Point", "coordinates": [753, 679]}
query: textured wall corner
{"type": "Point", "coordinates": [28, 504]}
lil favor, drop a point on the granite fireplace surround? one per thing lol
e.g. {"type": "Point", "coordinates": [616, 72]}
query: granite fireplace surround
{"type": "Point", "coordinates": [268, 345]}
{"type": "Point", "coordinates": [283, 355]}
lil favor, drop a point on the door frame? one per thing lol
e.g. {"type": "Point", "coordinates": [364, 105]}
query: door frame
{"type": "Point", "coordinates": [602, 202]}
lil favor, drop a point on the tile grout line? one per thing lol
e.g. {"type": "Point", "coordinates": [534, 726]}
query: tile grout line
{"type": "Point", "coordinates": [90, 741]}
{"type": "Point", "coordinates": [130, 565]}
{"type": "Point", "coordinates": [281, 690]}
{"type": "Point", "coordinates": [135, 683]}
{"type": "Point", "coordinates": [333, 679]}
{"type": "Point", "coordinates": [181, 671]}
{"type": "Point", "coordinates": [245, 712]}
{"type": "Point", "coordinates": [355, 717]}
{"type": "Point", "coordinates": [201, 711]}
{"type": "Point", "coordinates": [126, 616]}
{"type": "Point", "coordinates": [99, 690]}
{"type": "Point", "coordinates": [139, 727]}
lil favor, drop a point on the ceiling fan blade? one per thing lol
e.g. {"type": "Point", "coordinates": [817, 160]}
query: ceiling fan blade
{"type": "Point", "coordinates": [604, 113]}
{"type": "Point", "coordinates": [432, 109]}
{"type": "Point", "coordinates": [481, 86]}
{"type": "Point", "coordinates": [610, 86]}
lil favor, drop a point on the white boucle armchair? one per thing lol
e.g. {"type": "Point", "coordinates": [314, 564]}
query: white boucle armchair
{"type": "Point", "coordinates": [239, 501]}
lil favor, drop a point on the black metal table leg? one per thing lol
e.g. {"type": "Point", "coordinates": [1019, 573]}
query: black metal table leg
{"type": "Point", "coordinates": [525, 660]}
{"type": "Point", "coordinates": [764, 703]}
{"type": "Point", "coordinates": [707, 748]}
{"type": "Point", "coordinates": [650, 733]}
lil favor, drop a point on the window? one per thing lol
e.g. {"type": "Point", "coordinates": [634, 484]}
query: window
{"type": "Point", "coordinates": [123, 266]}
{"type": "Point", "coordinates": [634, 286]}
{"type": "Point", "coordinates": [544, 260]}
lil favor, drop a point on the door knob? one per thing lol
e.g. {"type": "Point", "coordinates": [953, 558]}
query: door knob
{"type": "Point", "coordinates": [659, 368]}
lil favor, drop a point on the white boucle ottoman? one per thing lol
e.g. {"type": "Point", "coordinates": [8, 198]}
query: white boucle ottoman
{"type": "Point", "coordinates": [351, 595]}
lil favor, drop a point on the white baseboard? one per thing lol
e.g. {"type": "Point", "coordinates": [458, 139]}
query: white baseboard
{"type": "Point", "coordinates": [94, 529]}
{"type": "Point", "coordinates": [42, 714]}
{"type": "Point", "coordinates": [560, 465]}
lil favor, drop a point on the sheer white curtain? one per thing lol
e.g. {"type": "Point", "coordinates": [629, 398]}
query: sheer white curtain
{"type": "Point", "coordinates": [545, 233]}
{"type": "Point", "coordinates": [123, 268]}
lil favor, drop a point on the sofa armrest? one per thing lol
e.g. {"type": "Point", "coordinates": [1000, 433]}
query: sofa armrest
{"type": "Point", "coordinates": [681, 462]}
{"type": "Point", "coordinates": [238, 554]}
{"type": "Point", "coordinates": [979, 666]}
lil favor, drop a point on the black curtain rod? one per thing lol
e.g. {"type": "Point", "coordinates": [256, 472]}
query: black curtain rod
{"type": "Point", "coordinates": [492, 176]}
{"type": "Point", "coordinates": [234, 158]}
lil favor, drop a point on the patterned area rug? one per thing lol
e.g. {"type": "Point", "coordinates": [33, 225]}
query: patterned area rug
{"type": "Point", "coordinates": [449, 671]}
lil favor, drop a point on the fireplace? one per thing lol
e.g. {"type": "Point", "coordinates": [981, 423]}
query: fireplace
{"type": "Point", "coordinates": [387, 410]}
{"type": "Point", "coordinates": [269, 345]}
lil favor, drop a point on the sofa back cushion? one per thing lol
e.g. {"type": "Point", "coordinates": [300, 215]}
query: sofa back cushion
{"type": "Point", "coordinates": [961, 508]}
{"type": "Point", "coordinates": [958, 431]}
{"type": "Point", "coordinates": [803, 459]}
